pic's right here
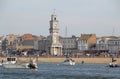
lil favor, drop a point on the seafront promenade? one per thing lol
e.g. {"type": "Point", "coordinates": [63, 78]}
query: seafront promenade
{"type": "Point", "coordinates": [61, 59]}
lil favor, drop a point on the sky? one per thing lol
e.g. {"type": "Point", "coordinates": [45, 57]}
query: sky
{"type": "Point", "coordinates": [100, 17]}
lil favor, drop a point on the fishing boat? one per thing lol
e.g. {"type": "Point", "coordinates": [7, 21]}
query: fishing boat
{"type": "Point", "coordinates": [68, 61]}
{"type": "Point", "coordinates": [12, 62]}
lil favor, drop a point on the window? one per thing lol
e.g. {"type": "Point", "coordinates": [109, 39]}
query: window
{"type": "Point", "coordinates": [68, 41]}
{"type": "Point", "coordinates": [115, 43]}
{"type": "Point", "coordinates": [54, 18]}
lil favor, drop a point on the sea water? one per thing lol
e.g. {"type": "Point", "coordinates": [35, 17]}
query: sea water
{"type": "Point", "coordinates": [59, 71]}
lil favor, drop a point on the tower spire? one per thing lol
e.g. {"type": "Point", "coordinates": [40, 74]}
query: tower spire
{"type": "Point", "coordinates": [54, 10]}
{"type": "Point", "coordinates": [66, 31]}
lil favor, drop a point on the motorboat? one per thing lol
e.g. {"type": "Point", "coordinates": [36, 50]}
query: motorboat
{"type": "Point", "coordinates": [113, 65]}
{"type": "Point", "coordinates": [32, 65]}
{"type": "Point", "coordinates": [68, 61]}
{"type": "Point", "coordinates": [13, 63]}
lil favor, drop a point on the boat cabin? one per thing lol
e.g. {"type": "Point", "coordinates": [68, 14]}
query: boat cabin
{"type": "Point", "coordinates": [12, 60]}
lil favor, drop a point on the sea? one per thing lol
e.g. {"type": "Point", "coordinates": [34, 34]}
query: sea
{"type": "Point", "coordinates": [59, 71]}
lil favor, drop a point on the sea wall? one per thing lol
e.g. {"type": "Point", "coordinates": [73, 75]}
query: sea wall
{"type": "Point", "coordinates": [60, 59]}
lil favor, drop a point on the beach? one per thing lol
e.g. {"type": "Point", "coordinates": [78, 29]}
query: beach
{"type": "Point", "coordinates": [61, 59]}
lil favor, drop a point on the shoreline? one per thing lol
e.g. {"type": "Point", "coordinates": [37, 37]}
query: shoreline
{"type": "Point", "coordinates": [61, 59]}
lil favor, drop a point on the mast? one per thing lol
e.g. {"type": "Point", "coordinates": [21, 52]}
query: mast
{"type": "Point", "coordinates": [113, 31]}
{"type": "Point", "coordinates": [66, 31]}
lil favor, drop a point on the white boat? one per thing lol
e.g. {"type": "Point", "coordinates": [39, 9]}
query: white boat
{"type": "Point", "coordinates": [13, 63]}
{"type": "Point", "coordinates": [69, 61]}
{"type": "Point", "coordinates": [0, 64]}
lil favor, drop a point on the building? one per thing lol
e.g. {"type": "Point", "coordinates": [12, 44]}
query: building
{"type": "Point", "coordinates": [86, 42]}
{"type": "Point", "coordinates": [102, 44]}
{"type": "Point", "coordinates": [25, 42]}
{"type": "Point", "coordinates": [55, 47]}
{"type": "Point", "coordinates": [109, 44]}
{"type": "Point", "coordinates": [69, 45]}
{"type": "Point", "coordinates": [10, 41]}
{"type": "Point", "coordinates": [42, 44]}
{"type": "Point", "coordinates": [114, 45]}
{"type": "Point", "coordinates": [1, 42]}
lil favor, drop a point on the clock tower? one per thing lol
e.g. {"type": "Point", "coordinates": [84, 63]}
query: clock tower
{"type": "Point", "coordinates": [55, 45]}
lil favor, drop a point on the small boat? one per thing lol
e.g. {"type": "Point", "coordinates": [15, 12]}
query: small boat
{"type": "Point", "coordinates": [69, 61]}
{"type": "Point", "coordinates": [13, 63]}
{"type": "Point", "coordinates": [113, 64]}
{"type": "Point", "coordinates": [0, 64]}
{"type": "Point", "coordinates": [32, 65]}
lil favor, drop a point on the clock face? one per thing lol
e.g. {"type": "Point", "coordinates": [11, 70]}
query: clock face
{"type": "Point", "coordinates": [55, 25]}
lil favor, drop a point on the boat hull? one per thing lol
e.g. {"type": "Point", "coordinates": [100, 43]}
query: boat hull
{"type": "Point", "coordinates": [113, 66]}
{"type": "Point", "coordinates": [24, 65]}
{"type": "Point", "coordinates": [68, 63]}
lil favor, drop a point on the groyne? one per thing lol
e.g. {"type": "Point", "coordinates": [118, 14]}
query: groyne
{"type": "Point", "coordinates": [61, 59]}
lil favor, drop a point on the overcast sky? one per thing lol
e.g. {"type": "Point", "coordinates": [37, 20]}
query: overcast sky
{"type": "Point", "coordinates": [101, 17]}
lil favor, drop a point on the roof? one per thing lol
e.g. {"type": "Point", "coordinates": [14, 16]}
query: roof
{"type": "Point", "coordinates": [86, 36]}
{"type": "Point", "coordinates": [27, 36]}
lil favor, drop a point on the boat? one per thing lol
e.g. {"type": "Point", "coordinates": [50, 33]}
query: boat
{"type": "Point", "coordinates": [68, 61]}
{"type": "Point", "coordinates": [32, 65]}
{"type": "Point", "coordinates": [0, 64]}
{"type": "Point", "coordinates": [12, 62]}
{"type": "Point", "coordinates": [113, 64]}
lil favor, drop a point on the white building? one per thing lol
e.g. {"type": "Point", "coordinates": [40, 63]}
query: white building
{"type": "Point", "coordinates": [102, 43]}
{"type": "Point", "coordinates": [114, 45]}
{"type": "Point", "coordinates": [110, 44]}
{"type": "Point", "coordinates": [82, 45]}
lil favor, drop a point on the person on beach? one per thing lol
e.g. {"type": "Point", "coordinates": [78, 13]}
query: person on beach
{"type": "Point", "coordinates": [2, 61]}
